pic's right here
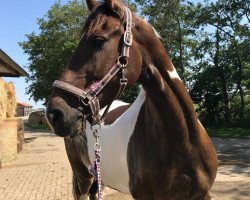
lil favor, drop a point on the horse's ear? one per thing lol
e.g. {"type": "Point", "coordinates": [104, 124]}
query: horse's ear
{"type": "Point", "coordinates": [116, 6]}
{"type": "Point", "coordinates": [110, 3]}
{"type": "Point", "coordinates": [91, 4]}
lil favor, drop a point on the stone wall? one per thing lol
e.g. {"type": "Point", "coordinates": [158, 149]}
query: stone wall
{"type": "Point", "coordinates": [8, 141]}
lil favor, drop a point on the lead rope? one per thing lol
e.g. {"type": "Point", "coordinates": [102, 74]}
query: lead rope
{"type": "Point", "coordinates": [98, 169]}
{"type": "Point", "coordinates": [95, 167]}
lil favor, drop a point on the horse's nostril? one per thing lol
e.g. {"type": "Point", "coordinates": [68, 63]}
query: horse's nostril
{"type": "Point", "coordinates": [56, 115]}
{"type": "Point", "coordinates": [50, 117]}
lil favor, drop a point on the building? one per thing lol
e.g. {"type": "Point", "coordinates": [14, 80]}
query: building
{"type": "Point", "coordinates": [10, 135]}
{"type": "Point", "coordinates": [9, 68]}
{"type": "Point", "coordinates": [23, 109]}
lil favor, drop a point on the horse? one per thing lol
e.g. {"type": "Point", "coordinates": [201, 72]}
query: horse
{"type": "Point", "coordinates": [155, 148]}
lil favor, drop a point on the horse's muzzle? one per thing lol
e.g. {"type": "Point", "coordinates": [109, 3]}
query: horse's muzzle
{"type": "Point", "coordinates": [58, 121]}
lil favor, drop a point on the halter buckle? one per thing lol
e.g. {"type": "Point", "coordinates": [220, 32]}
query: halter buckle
{"type": "Point", "coordinates": [128, 38]}
{"type": "Point", "coordinates": [123, 81]}
{"type": "Point", "coordinates": [87, 97]}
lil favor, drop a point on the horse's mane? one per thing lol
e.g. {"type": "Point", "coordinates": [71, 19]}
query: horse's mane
{"type": "Point", "coordinates": [98, 17]}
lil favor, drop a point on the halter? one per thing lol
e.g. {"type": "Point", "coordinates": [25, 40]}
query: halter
{"type": "Point", "coordinates": [89, 97]}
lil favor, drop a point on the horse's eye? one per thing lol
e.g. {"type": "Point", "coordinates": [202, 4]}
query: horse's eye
{"type": "Point", "coordinates": [99, 41]}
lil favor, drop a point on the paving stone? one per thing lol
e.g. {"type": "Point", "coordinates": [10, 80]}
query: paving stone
{"type": "Point", "coordinates": [40, 171]}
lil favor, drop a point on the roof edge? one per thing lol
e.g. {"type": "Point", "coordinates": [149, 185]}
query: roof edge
{"type": "Point", "coordinates": [20, 70]}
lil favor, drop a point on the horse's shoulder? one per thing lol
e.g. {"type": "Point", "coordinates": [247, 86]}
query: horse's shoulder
{"type": "Point", "coordinates": [115, 114]}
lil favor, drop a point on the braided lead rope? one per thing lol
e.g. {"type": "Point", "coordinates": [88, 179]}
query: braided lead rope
{"type": "Point", "coordinates": [98, 171]}
{"type": "Point", "coordinates": [95, 168]}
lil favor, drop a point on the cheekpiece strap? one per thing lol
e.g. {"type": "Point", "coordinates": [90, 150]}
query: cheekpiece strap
{"type": "Point", "coordinates": [89, 97]}
{"type": "Point", "coordinates": [128, 36]}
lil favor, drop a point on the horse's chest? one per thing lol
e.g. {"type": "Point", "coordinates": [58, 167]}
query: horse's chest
{"type": "Point", "coordinates": [114, 141]}
{"type": "Point", "coordinates": [114, 170]}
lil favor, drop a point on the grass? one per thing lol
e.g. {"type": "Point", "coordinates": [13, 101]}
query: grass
{"type": "Point", "coordinates": [212, 132]}
{"type": "Point", "coordinates": [38, 127]}
{"type": "Point", "coordinates": [229, 132]}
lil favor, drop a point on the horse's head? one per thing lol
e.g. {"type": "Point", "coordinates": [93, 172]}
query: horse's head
{"type": "Point", "coordinates": [103, 57]}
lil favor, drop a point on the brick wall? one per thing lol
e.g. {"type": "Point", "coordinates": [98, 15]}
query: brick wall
{"type": "Point", "coordinates": [8, 141]}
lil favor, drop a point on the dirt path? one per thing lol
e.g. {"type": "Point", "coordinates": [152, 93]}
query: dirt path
{"type": "Point", "coordinates": [42, 171]}
{"type": "Point", "coordinates": [233, 178]}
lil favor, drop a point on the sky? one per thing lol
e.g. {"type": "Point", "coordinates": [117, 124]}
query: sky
{"type": "Point", "coordinates": [17, 18]}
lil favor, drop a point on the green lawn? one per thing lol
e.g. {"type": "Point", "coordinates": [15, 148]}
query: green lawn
{"type": "Point", "coordinates": [229, 132]}
{"type": "Point", "coordinates": [212, 132]}
{"type": "Point", "coordinates": [40, 127]}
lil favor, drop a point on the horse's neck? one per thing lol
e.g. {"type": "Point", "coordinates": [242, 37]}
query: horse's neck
{"type": "Point", "coordinates": [169, 100]}
{"type": "Point", "coordinates": [166, 92]}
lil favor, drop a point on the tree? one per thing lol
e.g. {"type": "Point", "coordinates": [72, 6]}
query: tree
{"type": "Point", "coordinates": [213, 81]}
{"type": "Point", "coordinates": [50, 50]}
{"type": "Point", "coordinates": [228, 35]}
{"type": "Point", "coordinates": [171, 20]}
{"type": "Point", "coordinates": [208, 42]}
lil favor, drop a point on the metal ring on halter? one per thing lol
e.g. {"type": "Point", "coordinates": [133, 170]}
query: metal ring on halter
{"type": "Point", "coordinates": [97, 147]}
{"type": "Point", "coordinates": [82, 101]}
{"type": "Point", "coordinates": [123, 60]}
{"type": "Point", "coordinates": [96, 128]}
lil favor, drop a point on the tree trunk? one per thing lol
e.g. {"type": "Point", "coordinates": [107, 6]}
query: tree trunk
{"type": "Point", "coordinates": [226, 101]}
{"type": "Point", "coordinates": [180, 40]}
{"type": "Point", "coordinates": [239, 65]}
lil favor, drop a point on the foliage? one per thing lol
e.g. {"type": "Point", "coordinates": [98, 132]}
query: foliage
{"type": "Point", "coordinates": [229, 132]}
{"type": "Point", "coordinates": [220, 79]}
{"type": "Point", "coordinates": [38, 127]}
{"type": "Point", "coordinates": [171, 20]}
{"type": "Point", "coordinates": [50, 50]}
{"type": "Point", "coordinates": [208, 42]}
{"type": "Point", "coordinates": [130, 95]}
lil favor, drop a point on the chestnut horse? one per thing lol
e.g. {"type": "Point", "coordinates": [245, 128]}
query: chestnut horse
{"type": "Point", "coordinates": [155, 149]}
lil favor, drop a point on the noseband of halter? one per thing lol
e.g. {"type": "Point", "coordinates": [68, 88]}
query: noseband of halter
{"type": "Point", "coordinates": [90, 97]}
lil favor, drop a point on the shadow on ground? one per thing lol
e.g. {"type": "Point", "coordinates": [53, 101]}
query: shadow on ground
{"type": "Point", "coordinates": [233, 152]}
